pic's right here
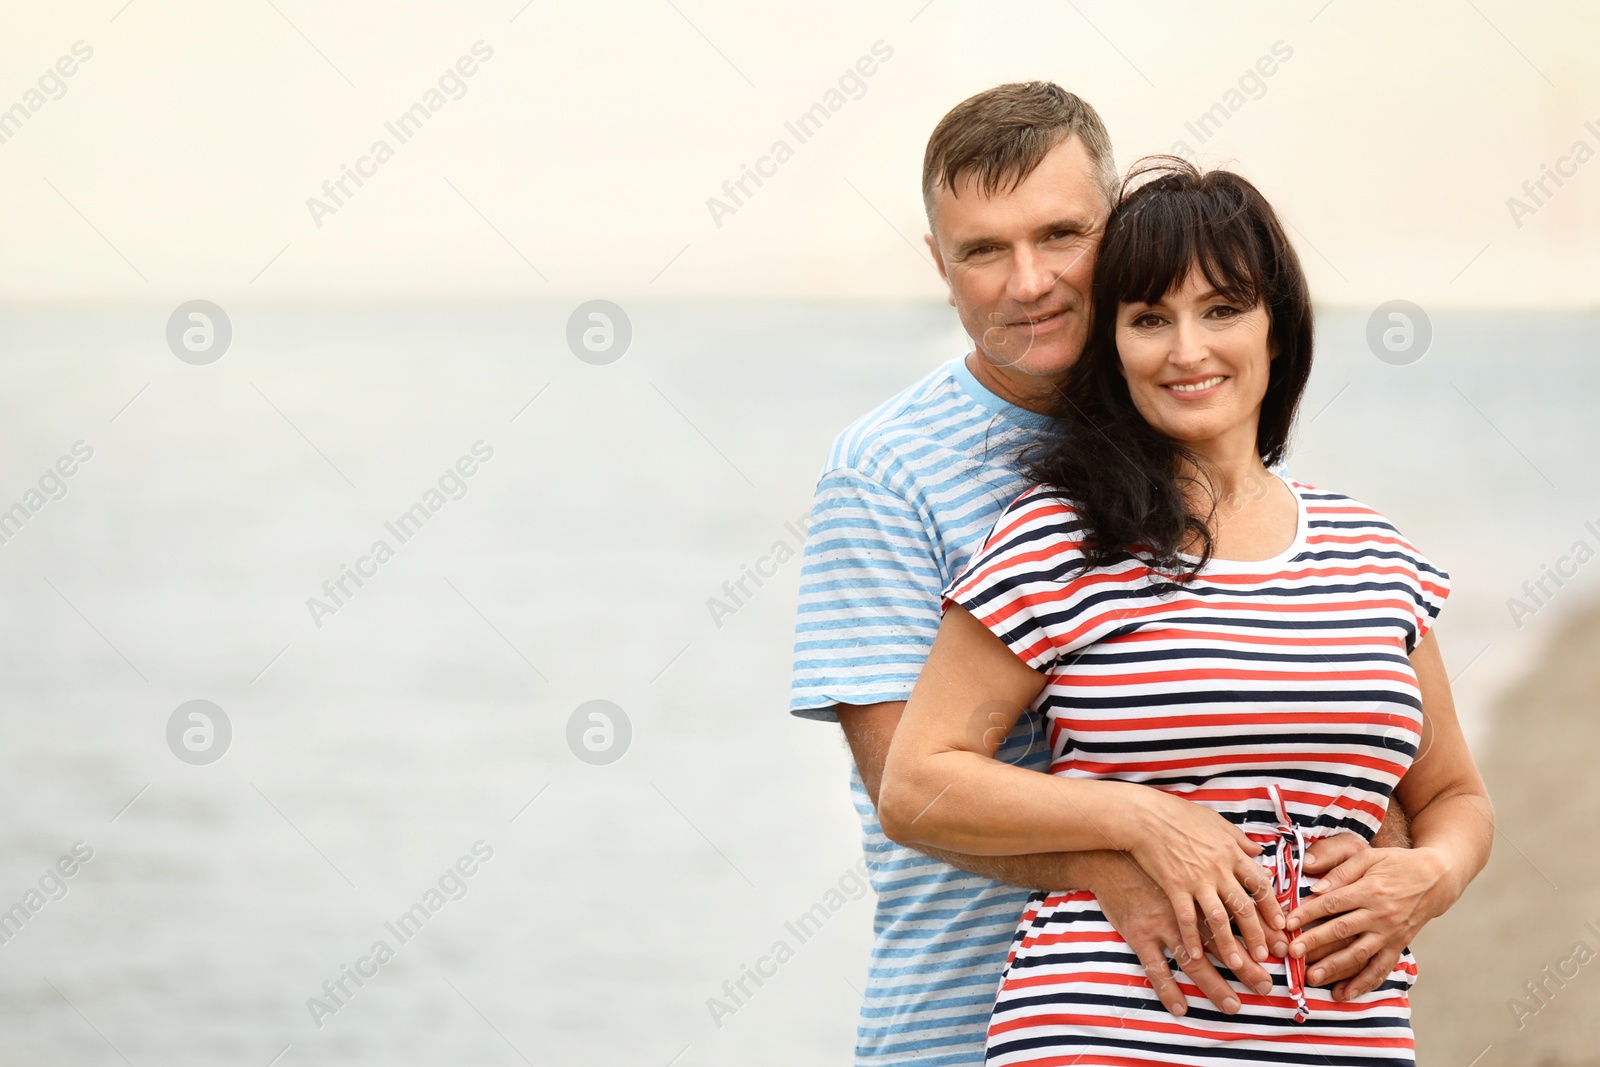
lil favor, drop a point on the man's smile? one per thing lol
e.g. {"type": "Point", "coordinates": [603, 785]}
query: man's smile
{"type": "Point", "coordinates": [1036, 323]}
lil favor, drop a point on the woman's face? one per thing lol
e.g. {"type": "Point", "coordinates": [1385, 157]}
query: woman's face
{"type": "Point", "coordinates": [1196, 363]}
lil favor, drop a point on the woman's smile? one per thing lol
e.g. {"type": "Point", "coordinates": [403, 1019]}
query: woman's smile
{"type": "Point", "coordinates": [1197, 362]}
{"type": "Point", "coordinates": [1194, 388]}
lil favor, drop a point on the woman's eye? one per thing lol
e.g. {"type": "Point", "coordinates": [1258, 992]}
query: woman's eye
{"type": "Point", "coordinates": [1146, 321]}
{"type": "Point", "coordinates": [1223, 311]}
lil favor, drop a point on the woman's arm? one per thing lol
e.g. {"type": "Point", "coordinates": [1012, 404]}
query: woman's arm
{"type": "Point", "coordinates": [1135, 906]}
{"type": "Point", "coordinates": [1452, 818]}
{"type": "Point", "coordinates": [942, 787]}
{"type": "Point", "coordinates": [1388, 894]}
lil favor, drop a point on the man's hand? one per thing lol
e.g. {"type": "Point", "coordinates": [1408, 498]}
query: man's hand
{"type": "Point", "coordinates": [1322, 857]}
{"type": "Point", "coordinates": [1367, 910]}
{"type": "Point", "coordinates": [1337, 964]}
{"type": "Point", "coordinates": [1138, 910]}
{"type": "Point", "coordinates": [1132, 902]}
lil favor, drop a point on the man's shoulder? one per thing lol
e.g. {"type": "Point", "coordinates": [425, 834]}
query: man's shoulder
{"type": "Point", "coordinates": [925, 417]}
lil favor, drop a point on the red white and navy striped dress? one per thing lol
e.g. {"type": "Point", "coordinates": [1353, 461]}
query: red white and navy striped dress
{"type": "Point", "coordinates": [1277, 692]}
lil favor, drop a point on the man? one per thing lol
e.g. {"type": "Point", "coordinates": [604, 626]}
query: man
{"type": "Point", "coordinates": [1018, 182]}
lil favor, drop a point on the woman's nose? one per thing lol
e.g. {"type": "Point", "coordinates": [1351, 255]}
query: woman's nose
{"type": "Point", "coordinates": [1188, 343]}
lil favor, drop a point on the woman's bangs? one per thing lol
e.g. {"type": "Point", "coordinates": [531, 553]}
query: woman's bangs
{"type": "Point", "coordinates": [1164, 234]}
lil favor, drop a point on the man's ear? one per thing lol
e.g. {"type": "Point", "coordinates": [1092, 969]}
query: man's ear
{"type": "Point", "coordinates": [938, 263]}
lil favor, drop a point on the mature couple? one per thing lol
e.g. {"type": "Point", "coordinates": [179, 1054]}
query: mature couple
{"type": "Point", "coordinates": [1084, 640]}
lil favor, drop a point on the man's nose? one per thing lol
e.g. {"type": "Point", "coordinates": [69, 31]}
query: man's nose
{"type": "Point", "coordinates": [1031, 277]}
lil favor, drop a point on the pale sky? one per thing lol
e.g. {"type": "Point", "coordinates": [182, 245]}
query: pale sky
{"type": "Point", "coordinates": [178, 159]}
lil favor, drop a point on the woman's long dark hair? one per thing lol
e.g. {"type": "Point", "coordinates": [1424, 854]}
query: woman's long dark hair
{"type": "Point", "coordinates": [1122, 476]}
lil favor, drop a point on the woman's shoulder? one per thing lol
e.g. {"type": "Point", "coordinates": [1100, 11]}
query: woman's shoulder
{"type": "Point", "coordinates": [1337, 521]}
{"type": "Point", "coordinates": [1040, 509]}
{"type": "Point", "coordinates": [1329, 510]}
{"type": "Point", "coordinates": [1038, 537]}
{"type": "Point", "coordinates": [1357, 538]}
{"type": "Point", "coordinates": [1042, 498]}
{"type": "Point", "coordinates": [1035, 541]}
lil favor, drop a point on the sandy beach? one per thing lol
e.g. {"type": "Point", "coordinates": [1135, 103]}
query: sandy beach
{"type": "Point", "coordinates": [1528, 930]}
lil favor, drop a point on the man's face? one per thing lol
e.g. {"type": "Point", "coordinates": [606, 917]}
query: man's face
{"type": "Point", "coordinates": [1019, 264]}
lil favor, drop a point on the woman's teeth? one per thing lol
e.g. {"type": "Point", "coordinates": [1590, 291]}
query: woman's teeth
{"type": "Point", "coordinates": [1197, 386]}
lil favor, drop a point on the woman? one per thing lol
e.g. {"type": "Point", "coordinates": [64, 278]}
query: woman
{"type": "Point", "coordinates": [1232, 665]}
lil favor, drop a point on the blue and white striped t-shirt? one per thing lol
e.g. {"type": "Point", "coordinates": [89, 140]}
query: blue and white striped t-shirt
{"type": "Point", "coordinates": [908, 493]}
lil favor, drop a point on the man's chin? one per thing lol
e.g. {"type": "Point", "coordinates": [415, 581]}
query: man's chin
{"type": "Point", "coordinates": [1042, 359]}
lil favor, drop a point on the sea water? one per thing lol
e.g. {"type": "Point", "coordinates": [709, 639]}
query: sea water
{"type": "Point", "coordinates": [628, 872]}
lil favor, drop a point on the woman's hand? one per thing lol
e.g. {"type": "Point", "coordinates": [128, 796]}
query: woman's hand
{"type": "Point", "coordinates": [1203, 862]}
{"type": "Point", "coordinates": [1380, 898]}
{"type": "Point", "coordinates": [1139, 910]}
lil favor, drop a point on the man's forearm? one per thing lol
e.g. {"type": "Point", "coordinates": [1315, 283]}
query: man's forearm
{"type": "Point", "coordinates": [1459, 828]}
{"type": "Point", "coordinates": [1053, 871]}
{"type": "Point", "coordinates": [1396, 829]}
{"type": "Point", "coordinates": [868, 729]}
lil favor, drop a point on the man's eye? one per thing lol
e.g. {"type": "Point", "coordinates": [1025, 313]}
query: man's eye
{"type": "Point", "coordinates": [1063, 235]}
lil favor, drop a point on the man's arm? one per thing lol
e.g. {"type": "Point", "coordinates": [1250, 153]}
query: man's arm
{"type": "Point", "coordinates": [1396, 829]}
{"type": "Point", "coordinates": [869, 728]}
{"type": "Point", "coordinates": [1131, 901]}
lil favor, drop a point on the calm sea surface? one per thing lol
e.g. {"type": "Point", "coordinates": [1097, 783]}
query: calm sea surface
{"type": "Point", "coordinates": [423, 714]}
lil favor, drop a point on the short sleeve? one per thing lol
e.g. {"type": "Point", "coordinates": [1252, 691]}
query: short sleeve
{"type": "Point", "coordinates": [869, 598]}
{"type": "Point", "coordinates": [1429, 589]}
{"type": "Point", "coordinates": [1017, 585]}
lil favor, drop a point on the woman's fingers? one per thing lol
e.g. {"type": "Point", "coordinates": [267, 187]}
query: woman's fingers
{"type": "Point", "coordinates": [1265, 903]}
{"type": "Point", "coordinates": [1220, 924]}
{"type": "Point", "coordinates": [1254, 937]}
{"type": "Point", "coordinates": [1335, 929]}
{"type": "Point", "coordinates": [1277, 938]}
{"type": "Point", "coordinates": [1243, 907]}
{"type": "Point", "coordinates": [1216, 988]}
{"type": "Point", "coordinates": [1253, 975]}
{"type": "Point", "coordinates": [1159, 972]}
{"type": "Point", "coordinates": [1183, 907]}
{"type": "Point", "coordinates": [1250, 847]}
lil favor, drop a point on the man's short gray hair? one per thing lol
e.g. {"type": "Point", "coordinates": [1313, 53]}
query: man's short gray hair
{"type": "Point", "coordinates": [1000, 135]}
